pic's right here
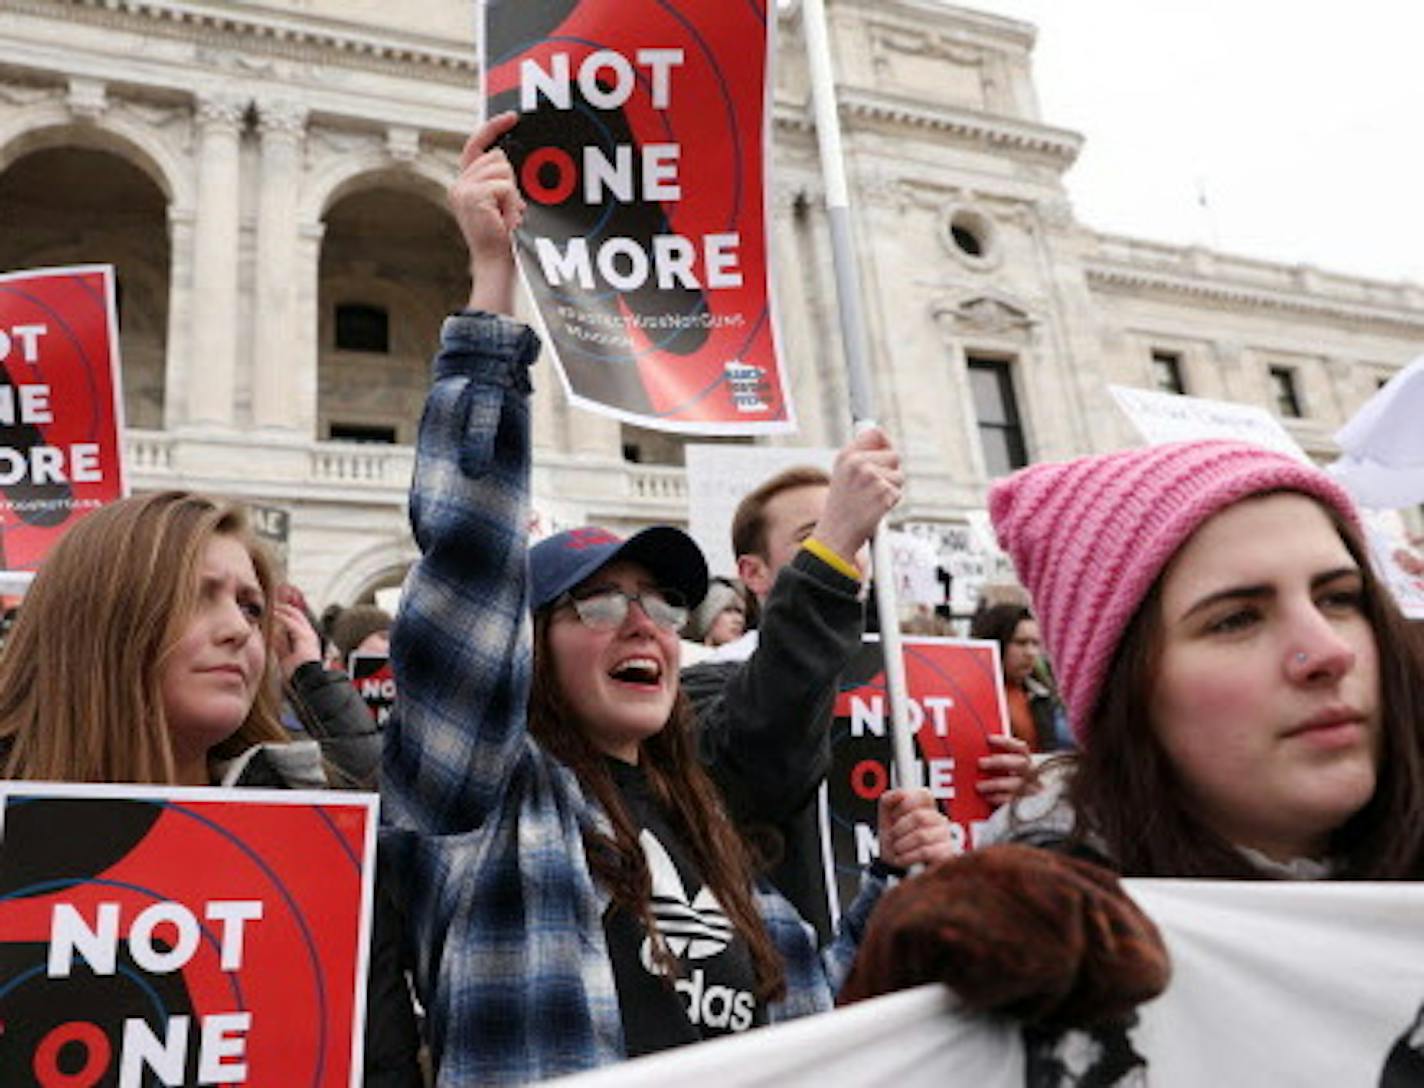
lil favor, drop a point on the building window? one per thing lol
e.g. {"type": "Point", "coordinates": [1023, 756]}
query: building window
{"type": "Point", "coordinates": [363, 328]}
{"type": "Point", "coordinates": [1000, 432]}
{"type": "Point", "coordinates": [966, 239]}
{"type": "Point", "coordinates": [363, 432]}
{"type": "Point", "coordinates": [1167, 372]}
{"type": "Point", "coordinates": [969, 235]}
{"type": "Point", "coordinates": [645, 447]}
{"type": "Point", "coordinates": [1284, 390]}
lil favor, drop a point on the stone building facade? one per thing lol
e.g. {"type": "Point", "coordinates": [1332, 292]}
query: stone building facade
{"type": "Point", "coordinates": [269, 179]}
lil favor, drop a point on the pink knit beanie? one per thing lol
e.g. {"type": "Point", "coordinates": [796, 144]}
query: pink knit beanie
{"type": "Point", "coordinates": [1089, 537]}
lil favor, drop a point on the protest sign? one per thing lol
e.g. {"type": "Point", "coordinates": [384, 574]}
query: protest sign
{"type": "Point", "coordinates": [641, 151]}
{"type": "Point", "coordinates": [273, 526]}
{"type": "Point", "coordinates": [375, 682]}
{"type": "Point", "coordinates": [915, 561]}
{"type": "Point", "coordinates": [1163, 417]}
{"type": "Point", "coordinates": [1171, 417]}
{"type": "Point", "coordinates": [1279, 983]}
{"type": "Point", "coordinates": [956, 697]}
{"type": "Point", "coordinates": [61, 408]}
{"type": "Point", "coordinates": [968, 557]}
{"type": "Point", "coordinates": [158, 935]}
{"type": "Point", "coordinates": [719, 477]}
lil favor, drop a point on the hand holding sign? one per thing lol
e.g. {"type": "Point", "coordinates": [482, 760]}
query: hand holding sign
{"type": "Point", "coordinates": [866, 484]}
{"type": "Point", "coordinates": [912, 830]}
{"type": "Point", "coordinates": [1005, 772]}
{"type": "Point", "coordinates": [487, 205]}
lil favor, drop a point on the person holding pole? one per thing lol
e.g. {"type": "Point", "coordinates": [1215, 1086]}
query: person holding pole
{"type": "Point", "coordinates": [575, 891]}
{"type": "Point", "coordinates": [764, 704]}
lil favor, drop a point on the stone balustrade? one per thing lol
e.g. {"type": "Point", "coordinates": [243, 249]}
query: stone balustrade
{"type": "Point", "coordinates": [647, 483]}
{"type": "Point", "coordinates": [341, 462]}
{"type": "Point", "coordinates": [379, 472]}
{"type": "Point", "coordinates": [148, 451]}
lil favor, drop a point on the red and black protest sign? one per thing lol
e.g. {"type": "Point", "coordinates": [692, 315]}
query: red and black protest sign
{"type": "Point", "coordinates": [61, 409]}
{"type": "Point", "coordinates": [641, 151]}
{"type": "Point", "coordinates": [375, 682]}
{"type": "Point", "coordinates": [956, 700]}
{"type": "Point", "coordinates": [154, 935]}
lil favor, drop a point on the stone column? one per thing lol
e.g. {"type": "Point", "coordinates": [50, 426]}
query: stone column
{"type": "Point", "coordinates": [304, 352]}
{"type": "Point", "coordinates": [275, 378]}
{"type": "Point", "coordinates": [176, 378]}
{"type": "Point", "coordinates": [593, 435]}
{"type": "Point", "coordinates": [798, 352]}
{"type": "Point", "coordinates": [828, 351]}
{"type": "Point", "coordinates": [213, 364]}
{"type": "Point", "coordinates": [1349, 386]}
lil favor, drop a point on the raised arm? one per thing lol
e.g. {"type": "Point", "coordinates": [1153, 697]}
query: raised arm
{"type": "Point", "coordinates": [763, 724]}
{"type": "Point", "coordinates": [460, 645]}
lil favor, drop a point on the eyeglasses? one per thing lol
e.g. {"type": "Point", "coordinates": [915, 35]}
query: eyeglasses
{"type": "Point", "coordinates": [604, 608]}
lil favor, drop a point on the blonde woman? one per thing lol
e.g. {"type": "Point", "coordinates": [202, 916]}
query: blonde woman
{"type": "Point", "coordinates": [142, 654]}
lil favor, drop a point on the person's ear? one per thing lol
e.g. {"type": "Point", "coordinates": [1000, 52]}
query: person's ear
{"type": "Point", "coordinates": [756, 574]}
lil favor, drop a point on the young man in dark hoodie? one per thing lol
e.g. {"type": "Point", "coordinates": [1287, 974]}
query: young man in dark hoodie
{"type": "Point", "coordinates": [764, 702]}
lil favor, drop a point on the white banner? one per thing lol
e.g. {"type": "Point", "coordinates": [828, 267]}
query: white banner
{"type": "Point", "coordinates": [1272, 984]}
{"type": "Point", "coordinates": [1398, 562]}
{"type": "Point", "coordinates": [1171, 417]}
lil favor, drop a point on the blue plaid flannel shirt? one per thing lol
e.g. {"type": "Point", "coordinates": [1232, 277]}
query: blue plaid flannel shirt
{"type": "Point", "coordinates": [483, 826]}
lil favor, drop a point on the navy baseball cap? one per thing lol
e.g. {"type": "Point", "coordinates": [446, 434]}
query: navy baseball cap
{"type": "Point", "coordinates": [562, 561]}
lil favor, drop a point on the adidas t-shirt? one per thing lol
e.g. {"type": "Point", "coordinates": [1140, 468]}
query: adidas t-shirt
{"type": "Point", "coordinates": [715, 990]}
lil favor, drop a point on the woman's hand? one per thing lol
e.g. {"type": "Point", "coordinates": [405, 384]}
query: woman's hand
{"type": "Point", "coordinates": [295, 642]}
{"type": "Point", "coordinates": [486, 203]}
{"type": "Point", "coordinates": [912, 830]}
{"type": "Point", "coordinates": [1004, 773]}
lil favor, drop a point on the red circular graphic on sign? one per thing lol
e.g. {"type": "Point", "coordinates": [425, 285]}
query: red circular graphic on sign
{"type": "Point", "coordinates": [530, 175]}
{"type": "Point", "coordinates": [96, 1056]}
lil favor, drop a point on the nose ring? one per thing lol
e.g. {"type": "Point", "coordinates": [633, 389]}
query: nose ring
{"type": "Point", "coordinates": [1301, 657]}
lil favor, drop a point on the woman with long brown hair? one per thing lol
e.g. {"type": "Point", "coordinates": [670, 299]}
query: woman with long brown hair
{"type": "Point", "coordinates": [1246, 696]}
{"type": "Point", "coordinates": [576, 892]}
{"type": "Point", "coordinates": [142, 654]}
{"type": "Point", "coordinates": [1247, 702]}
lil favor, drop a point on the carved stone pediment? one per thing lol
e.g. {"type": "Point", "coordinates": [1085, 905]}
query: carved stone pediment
{"type": "Point", "coordinates": [984, 314]}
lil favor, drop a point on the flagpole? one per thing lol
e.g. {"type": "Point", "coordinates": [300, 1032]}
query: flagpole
{"type": "Point", "coordinates": [857, 357]}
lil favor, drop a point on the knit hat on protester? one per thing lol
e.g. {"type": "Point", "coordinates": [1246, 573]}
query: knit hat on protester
{"type": "Point", "coordinates": [352, 625]}
{"type": "Point", "coordinates": [721, 595]}
{"type": "Point", "coordinates": [1089, 537]}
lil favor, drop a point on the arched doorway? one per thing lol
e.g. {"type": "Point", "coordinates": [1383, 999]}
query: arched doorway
{"type": "Point", "coordinates": [73, 205]}
{"type": "Point", "coordinates": [392, 265]}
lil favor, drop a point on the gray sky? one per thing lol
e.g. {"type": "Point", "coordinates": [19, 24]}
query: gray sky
{"type": "Point", "coordinates": [1302, 120]}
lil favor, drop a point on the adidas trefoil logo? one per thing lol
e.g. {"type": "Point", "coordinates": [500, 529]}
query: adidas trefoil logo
{"type": "Point", "coordinates": [694, 930]}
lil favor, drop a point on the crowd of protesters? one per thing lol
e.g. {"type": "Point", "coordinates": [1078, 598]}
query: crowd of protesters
{"type": "Point", "coordinates": [591, 853]}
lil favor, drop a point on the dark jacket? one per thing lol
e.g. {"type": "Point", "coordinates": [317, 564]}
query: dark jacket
{"type": "Point", "coordinates": [1050, 719]}
{"type": "Point", "coordinates": [764, 724]}
{"type": "Point", "coordinates": [333, 713]}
